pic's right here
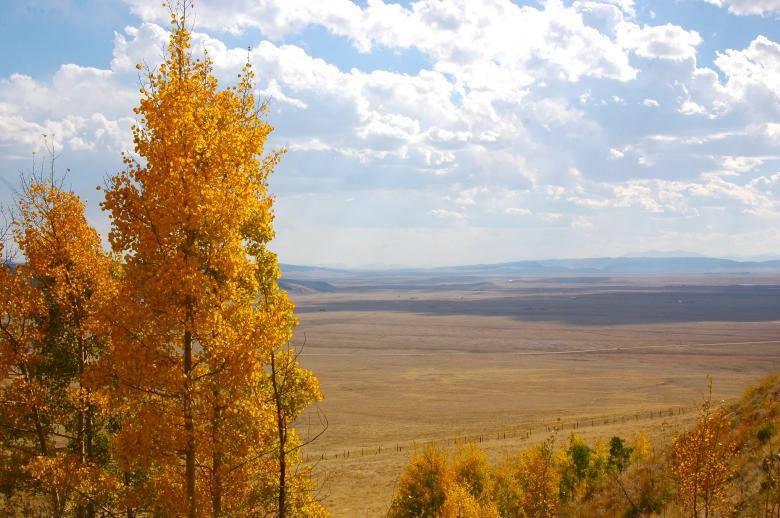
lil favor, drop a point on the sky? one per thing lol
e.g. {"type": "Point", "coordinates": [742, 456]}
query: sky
{"type": "Point", "coordinates": [441, 132]}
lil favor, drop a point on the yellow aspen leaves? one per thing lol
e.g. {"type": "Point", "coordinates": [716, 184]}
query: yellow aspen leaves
{"type": "Point", "coordinates": [203, 318]}
{"type": "Point", "coordinates": [701, 463]}
{"type": "Point", "coordinates": [54, 407]}
{"type": "Point", "coordinates": [159, 379]}
{"type": "Point", "coordinates": [642, 447]}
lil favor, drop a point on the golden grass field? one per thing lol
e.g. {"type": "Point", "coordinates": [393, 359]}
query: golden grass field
{"type": "Point", "coordinates": [401, 367]}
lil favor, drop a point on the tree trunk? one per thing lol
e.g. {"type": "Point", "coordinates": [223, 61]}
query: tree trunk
{"type": "Point", "coordinates": [90, 435]}
{"type": "Point", "coordinates": [81, 435]}
{"type": "Point", "coordinates": [281, 426]}
{"type": "Point", "coordinates": [40, 433]}
{"type": "Point", "coordinates": [216, 460]}
{"type": "Point", "coordinates": [189, 428]}
{"type": "Point", "coordinates": [129, 511]}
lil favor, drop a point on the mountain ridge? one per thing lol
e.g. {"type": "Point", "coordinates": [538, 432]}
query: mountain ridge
{"type": "Point", "coordinates": [591, 265]}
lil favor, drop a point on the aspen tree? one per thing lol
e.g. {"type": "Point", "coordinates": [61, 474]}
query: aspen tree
{"type": "Point", "coordinates": [200, 315]}
{"type": "Point", "coordinates": [701, 462]}
{"type": "Point", "coordinates": [53, 414]}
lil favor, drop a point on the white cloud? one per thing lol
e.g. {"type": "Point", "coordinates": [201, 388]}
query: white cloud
{"type": "Point", "coordinates": [741, 164]}
{"type": "Point", "coordinates": [749, 7]}
{"type": "Point", "coordinates": [772, 130]}
{"type": "Point", "coordinates": [517, 211]}
{"type": "Point", "coordinates": [661, 41]}
{"type": "Point", "coordinates": [753, 73]}
{"type": "Point", "coordinates": [551, 216]}
{"type": "Point", "coordinates": [478, 40]}
{"type": "Point", "coordinates": [548, 119]}
{"type": "Point", "coordinates": [770, 181]}
{"type": "Point", "coordinates": [446, 214]}
{"type": "Point", "coordinates": [582, 224]}
{"type": "Point", "coordinates": [469, 196]}
{"type": "Point", "coordinates": [145, 44]}
{"type": "Point", "coordinates": [72, 89]}
{"type": "Point", "coordinates": [274, 93]}
{"type": "Point", "coordinates": [275, 19]}
{"type": "Point", "coordinates": [627, 6]}
{"type": "Point", "coordinates": [716, 187]}
{"type": "Point", "coordinates": [692, 108]}
{"type": "Point", "coordinates": [81, 108]}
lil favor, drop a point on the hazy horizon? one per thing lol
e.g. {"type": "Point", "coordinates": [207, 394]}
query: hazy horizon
{"type": "Point", "coordinates": [649, 254]}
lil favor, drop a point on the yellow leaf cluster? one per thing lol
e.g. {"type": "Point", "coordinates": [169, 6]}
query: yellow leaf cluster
{"type": "Point", "coordinates": [467, 486]}
{"type": "Point", "coordinates": [642, 447]}
{"type": "Point", "coordinates": [159, 380]}
{"type": "Point", "coordinates": [52, 334]}
{"type": "Point", "coordinates": [701, 463]}
{"type": "Point", "coordinates": [203, 316]}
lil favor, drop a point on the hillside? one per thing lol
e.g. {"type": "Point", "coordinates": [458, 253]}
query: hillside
{"type": "Point", "coordinates": [726, 464]}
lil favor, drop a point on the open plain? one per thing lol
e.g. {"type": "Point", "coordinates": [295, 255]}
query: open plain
{"type": "Point", "coordinates": [407, 359]}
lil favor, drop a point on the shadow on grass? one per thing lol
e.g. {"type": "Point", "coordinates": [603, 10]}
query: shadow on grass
{"type": "Point", "coordinates": [646, 306]}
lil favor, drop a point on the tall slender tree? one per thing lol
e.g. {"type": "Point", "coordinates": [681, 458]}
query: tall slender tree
{"type": "Point", "coordinates": [702, 462]}
{"type": "Point", "coordinates": [53, 414]}
{"type": "Point", "coordinates": [200, 317]}
{"type": "Point", "coordinates": [291, 390]}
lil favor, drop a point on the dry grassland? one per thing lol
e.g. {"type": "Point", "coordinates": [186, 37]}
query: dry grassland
{"type": "Point", "coordinates": [400, 368]}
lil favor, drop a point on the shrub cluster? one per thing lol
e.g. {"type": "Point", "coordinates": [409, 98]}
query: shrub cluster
{"type": "Point", "coordinates": [726, 464]}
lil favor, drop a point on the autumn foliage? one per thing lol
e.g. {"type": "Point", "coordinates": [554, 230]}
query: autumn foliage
{"type": "Point", "coordinates": [725, 464]}
{"type": "Point", "coordinates": [158, 379]}
{"type": "Point", "coordinates": [701, 463]}
{"type": "Point", "coordinates": [54, 410]}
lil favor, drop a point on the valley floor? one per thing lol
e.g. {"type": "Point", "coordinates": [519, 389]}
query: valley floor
{"type": "Point", "coordinates": [395, 377]}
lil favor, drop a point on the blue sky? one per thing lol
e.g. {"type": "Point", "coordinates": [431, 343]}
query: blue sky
{"type": "Point", "coordinates": [448, 131]}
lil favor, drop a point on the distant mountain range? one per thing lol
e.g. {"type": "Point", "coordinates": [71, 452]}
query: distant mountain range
{"type": "Point", "coordinates": [597, 265]}
{"type": "Point", "coordinates": [685, 253]}
{"type": "Point", "coordinates": [664, 254]}
{"type": "Point", "coordinates": [628, 265]}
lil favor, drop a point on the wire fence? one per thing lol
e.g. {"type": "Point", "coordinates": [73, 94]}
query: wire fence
{"type": "Point", "coordinates": [521, 432]}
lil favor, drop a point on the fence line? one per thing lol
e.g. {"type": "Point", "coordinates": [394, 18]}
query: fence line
{"type": "Point", "coordinates": [521, 432]}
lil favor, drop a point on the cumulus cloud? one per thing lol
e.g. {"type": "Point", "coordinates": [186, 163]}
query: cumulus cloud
{"type": "Point", "coordinates": [741, 164]}
{"type": "Point", "coordinates": [772, 130]}
{"type": "Point", "coordinates": [661, 41]}
{"type": "Point", "coordinates": [80, 108]}
{"type": "Point", "coordinates": [753, 73]}
{"type": "Point", "coordinates": [691, 108]}
{"type": "Point", "coordinates": [460, 36]}
{"type": "Point", "coordinates": [748, 7]}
